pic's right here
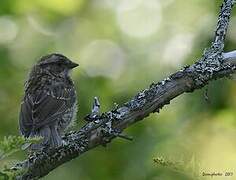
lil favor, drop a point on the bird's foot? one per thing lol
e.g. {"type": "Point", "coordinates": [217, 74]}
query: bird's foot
{"type": "Point", "coordinates": [107, 130]}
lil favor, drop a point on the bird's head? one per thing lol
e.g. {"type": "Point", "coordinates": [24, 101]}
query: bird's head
{"type": "Point", "coordinates": [57, 64]}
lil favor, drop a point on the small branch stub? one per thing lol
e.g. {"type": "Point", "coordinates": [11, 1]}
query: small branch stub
{"type": "Point", "coordinates": [95, 111]}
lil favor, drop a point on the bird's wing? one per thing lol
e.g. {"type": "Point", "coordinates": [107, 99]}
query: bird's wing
{"type": "Point", "coordinates": [42, 108]}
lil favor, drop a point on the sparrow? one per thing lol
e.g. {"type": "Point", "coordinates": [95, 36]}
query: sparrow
{"type": "Point", "coordinates": [49, 104]}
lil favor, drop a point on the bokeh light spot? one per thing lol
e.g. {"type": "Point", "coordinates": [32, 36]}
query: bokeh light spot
{"type": "Point", "coordinates": [176, 49]}
{"type": "Point", "coordinates": [8, 29]}
{"type": "Point", "coordinates": [39, 26]}
{"type": "Point", "coordinates": [103, 58]}
{"type": "Point", "coordinates": [139, 18]}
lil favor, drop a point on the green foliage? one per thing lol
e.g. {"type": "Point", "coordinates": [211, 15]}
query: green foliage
{"type": "Point", "coordinates": [9, 174]}
{"type": "Point", "coordinates": [188, 168]}
{"type": "Point", "coordinates": [3, 176]}
{"type": "Point", "coordinates": [10, 145]}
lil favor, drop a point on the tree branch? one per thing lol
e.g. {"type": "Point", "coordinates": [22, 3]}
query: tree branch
{"type": "Point", "coordinates": [223, 22]}
{"type": "Point", "coordinates": [230, 57]}
{"type": "Point", "coordinates": [214, 64]}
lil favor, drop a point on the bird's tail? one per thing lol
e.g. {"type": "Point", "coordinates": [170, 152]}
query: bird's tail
{"type": "Point", "coordinates": [51, 138]}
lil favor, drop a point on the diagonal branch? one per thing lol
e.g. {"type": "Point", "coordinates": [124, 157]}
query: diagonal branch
{"type": "Point", "coordinates": [223, 23]}
{"type": "Point", "coordinates": [213, 65]}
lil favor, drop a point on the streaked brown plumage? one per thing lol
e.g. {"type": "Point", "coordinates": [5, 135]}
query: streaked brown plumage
{"type": "Point", "coordinates": [50, 102]}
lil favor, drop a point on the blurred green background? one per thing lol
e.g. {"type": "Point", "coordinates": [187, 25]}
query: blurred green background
{"type": "Point", "coordinates": [122, 46]}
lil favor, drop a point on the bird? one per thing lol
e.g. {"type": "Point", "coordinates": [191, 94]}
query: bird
{"type": "Point", "coordinates": [49, 104]}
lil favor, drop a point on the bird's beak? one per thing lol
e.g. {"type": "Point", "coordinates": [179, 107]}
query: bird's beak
{"type": "Point", "coordinates": [73, 65]}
